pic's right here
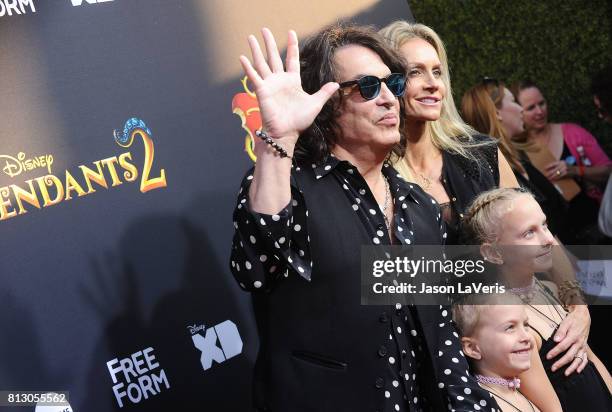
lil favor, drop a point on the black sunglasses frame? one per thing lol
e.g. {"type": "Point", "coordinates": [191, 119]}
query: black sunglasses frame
{"type": "Point", "coordinates": [361, 83]}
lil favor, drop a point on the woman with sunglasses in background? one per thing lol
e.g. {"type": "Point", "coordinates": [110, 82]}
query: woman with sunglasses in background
{"type": "Point", "coordinates": [490, 108]}
{"type": "Point", "coordinates": [575, 153]}
{"type": "Point", "coordinates": [321, 190]}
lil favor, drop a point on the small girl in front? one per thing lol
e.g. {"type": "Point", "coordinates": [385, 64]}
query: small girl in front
{"type": "Point", "coordinates": [511, 229]}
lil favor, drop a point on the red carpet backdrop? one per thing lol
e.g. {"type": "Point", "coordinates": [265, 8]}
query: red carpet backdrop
{"type": "Point", "coordinates": [124, 134]}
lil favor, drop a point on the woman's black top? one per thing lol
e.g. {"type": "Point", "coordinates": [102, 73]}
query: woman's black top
{"type": "Point", "coordinates": [465, 178]}
{"type": "Point", "coordinates": [320, 349]}
{"type": "Point", "coordinates": [577, 390]}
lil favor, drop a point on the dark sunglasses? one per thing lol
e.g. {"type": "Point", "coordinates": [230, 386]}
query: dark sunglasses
{"type": "Point", "coordinates": [369, 86]}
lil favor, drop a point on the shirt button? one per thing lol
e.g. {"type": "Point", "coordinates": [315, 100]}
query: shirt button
{"type": "Point", "coordinates": [380, 383]}
{"type": "Point", "coordinates": [383, 317]}
{"type": "Point", "coordinates": [461, 215]}
{"type": "Point", "coordinates": [454, 199]}
{"type": "Point", "coordinates": [382, 351]}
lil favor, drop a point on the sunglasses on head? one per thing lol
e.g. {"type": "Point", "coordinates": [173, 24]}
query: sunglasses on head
{"type": "Point", "coordinates": [490, 80]}
{"type": "Point", "coordinates": [494, 93]}
{"type": "Point", "coordinates": [369, 86]}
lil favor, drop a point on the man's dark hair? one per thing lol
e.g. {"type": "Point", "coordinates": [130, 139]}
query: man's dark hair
{"type": "Point", "coordinates": [601, 86]}
{"type": "Point", "coordinates": [317, 68]}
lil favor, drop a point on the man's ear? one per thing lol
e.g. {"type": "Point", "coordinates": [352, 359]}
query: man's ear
{"type": "Point", "coordinates": [470, 348]}
{"type": "Point", "coordinates": [491, 253]}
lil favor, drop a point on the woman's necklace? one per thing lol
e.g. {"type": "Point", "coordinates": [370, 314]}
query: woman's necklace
{"type": "Point", "coordinates": [490, 389]}
{"type": "Point", "coordinates": [426, 181]}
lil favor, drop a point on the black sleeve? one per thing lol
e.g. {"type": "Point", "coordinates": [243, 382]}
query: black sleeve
{"type": "Point", "coordinates": [266, 248]}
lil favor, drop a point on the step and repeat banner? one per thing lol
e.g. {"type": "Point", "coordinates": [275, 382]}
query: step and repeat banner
{"type": "Point", "coordinates": [125, 130]}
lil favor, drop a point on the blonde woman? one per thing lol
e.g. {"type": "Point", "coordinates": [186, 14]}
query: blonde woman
{"type": "Point", "coordinates": [445, 156]}
{"type": "Point", "coordinates": [454, 164]}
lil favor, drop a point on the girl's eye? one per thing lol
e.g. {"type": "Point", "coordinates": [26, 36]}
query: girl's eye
{"type": "Point", "coordinates": [509, 327]}
{"type": "Point", "coordinates": [528, 234]}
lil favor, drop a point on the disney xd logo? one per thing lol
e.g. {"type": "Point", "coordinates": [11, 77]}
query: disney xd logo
{"type": "Point", "coordinates": [227, 335]}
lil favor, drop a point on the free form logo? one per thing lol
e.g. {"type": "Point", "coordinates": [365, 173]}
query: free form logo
{"type": "Point", "coordinates": [10, 7]}
{"type": "Point", "coordinates": [137, 377]}
{"type": "Point", "coordinates": [205, 340]}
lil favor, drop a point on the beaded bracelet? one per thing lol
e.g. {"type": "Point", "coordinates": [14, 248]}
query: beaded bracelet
{"type": "Point", "coordinates": [264, 136]}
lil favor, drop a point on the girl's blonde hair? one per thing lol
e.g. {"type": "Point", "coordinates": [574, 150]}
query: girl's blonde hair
{"type": "Point", "coordinates": [447, 131]}
{"type": "Point", "coordinates": [467, 314]}
{"type": "Point", "coordinates": [483, 217]}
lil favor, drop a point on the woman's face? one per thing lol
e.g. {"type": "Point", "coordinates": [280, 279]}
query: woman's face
{"type": "Point", "coordinates": [511, 115]}
{"type": "Point", "coordinates": [425, 89]}
{"type": "Point", "coordinates": [535, 110]}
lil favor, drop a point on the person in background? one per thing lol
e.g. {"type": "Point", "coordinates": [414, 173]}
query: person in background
{"type": "Point", "coordinates": [490, 108]}
{"type": "Point", "coordinates": [576, 154]}
{"type": "Point", "coordinates": [601, 87]}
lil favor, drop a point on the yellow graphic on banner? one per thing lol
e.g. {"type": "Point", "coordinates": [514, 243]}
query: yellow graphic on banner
{"type": "Point", "coordinates": [49, 190]}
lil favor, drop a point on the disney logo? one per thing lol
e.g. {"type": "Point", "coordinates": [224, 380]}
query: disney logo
{"type": "Point", "coordinates": [193, 329]}
{"type": "Point", "coordinates": [12, 166]}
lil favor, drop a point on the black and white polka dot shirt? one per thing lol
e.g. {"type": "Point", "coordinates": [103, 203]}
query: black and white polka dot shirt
{"type": "Point", "coordinates": [303, 267]}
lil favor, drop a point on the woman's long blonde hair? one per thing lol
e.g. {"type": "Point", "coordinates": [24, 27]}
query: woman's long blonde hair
{"type": "Point", "coordinates": [449, 132]}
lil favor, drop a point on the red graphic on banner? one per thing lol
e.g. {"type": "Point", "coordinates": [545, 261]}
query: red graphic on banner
{"type": "Point", "coordinates": [246, 106]}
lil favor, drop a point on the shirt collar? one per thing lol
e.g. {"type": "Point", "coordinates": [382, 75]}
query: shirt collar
{"type": "Point", "coordinates": [397, 183]}
{"type": "Point", "coordinates": [323, 168]}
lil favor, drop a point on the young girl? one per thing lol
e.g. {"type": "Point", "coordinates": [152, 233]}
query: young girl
{"type": "Point", "coordinates": [496, 338]}
{"type": "Point", "coordinates": [511, 229]}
